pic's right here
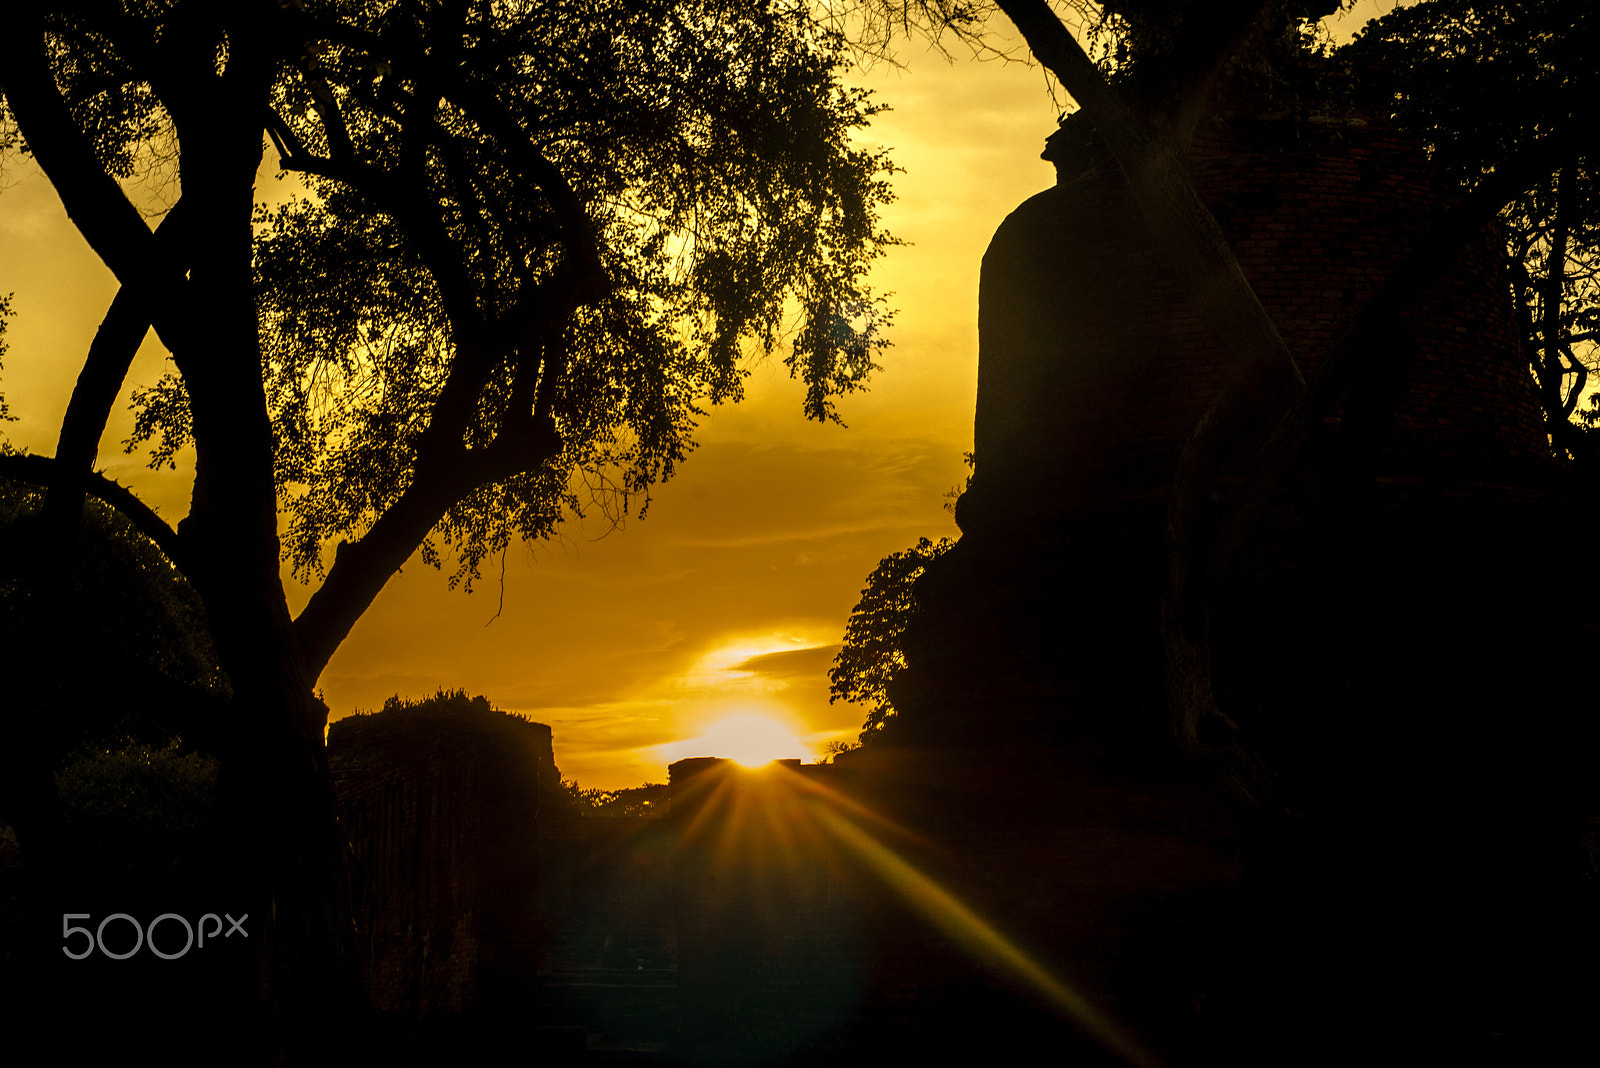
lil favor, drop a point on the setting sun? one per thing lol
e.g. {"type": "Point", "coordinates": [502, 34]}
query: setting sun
{"type": "Point", "coordinates": [746, 739]}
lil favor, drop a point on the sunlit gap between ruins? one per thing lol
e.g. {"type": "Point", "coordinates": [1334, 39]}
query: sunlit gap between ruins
{"type": "Point", "coordinates": [769, 818]}
{"type": "Point", "coordinates": [751, 740]}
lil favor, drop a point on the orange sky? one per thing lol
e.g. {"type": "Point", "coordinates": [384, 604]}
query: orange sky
{"type": "Point", "coordinates": [732, 596]}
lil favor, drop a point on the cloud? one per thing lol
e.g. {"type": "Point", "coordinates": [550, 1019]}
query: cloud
{"type": "Point", "coordinates": [790, 663]}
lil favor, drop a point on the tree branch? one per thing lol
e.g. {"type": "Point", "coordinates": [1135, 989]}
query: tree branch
{"type": "Point", "coordinates": [104, 370]}
{"type": "Point", "coordinates": [1550, 291]}
{"type": "Point", "coordinates": [481, 105]}
{"type": "Point", "coordinates": [540, 310]}
{"type": "Point", "coordinates": [577, 232]}
{"type": "Point", "coordinates": [326, 105]}
{"type": "Point", "coordinates": [444, 469]}
{"type": "Point", "coordinates": [94, 201]}
{"type": "Point", "coordinates": [1580, 375]}
{"type": "Point", "coordinates": [415, 212]}
{"type": "Point", "coordinates": [44, 471]}
{"type": "Point", "coordinates": [362, 568]}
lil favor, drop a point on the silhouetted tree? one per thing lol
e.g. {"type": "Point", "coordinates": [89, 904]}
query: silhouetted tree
{"type": "Point", "coordinates": [539, 239]}
{"type": "Point", "coordinates": [1476, 81]}
{"type": "Point", "coordinates": [651, 799]}
{"type": "Point", "coordinates": [872, 655]}
{"type": "Point", "coordinates": [837, 748]}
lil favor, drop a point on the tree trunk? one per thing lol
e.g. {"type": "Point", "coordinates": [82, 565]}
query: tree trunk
{"type": "Point", "coordinates": [275, 794]}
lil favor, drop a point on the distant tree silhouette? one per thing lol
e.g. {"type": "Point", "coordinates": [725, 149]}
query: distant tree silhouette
{"type": "Point", "coordinates": [651, 799]}
{"type": "Point", "coordinates": [837, 748]}
{"type": "Point", "coordinates": [540, 239]}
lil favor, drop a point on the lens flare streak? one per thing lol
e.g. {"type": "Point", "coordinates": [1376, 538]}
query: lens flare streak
{"type": "Point", "coordinates": [978, 937]}
{"type": "Point", "coordinates": [792, 810]}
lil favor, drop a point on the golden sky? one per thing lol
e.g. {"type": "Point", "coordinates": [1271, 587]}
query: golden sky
{"type": "Point", "coordinates": [731, 597]}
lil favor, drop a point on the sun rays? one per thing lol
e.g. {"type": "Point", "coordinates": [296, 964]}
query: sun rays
{"type": "Point", "coordinates": [750, 739]}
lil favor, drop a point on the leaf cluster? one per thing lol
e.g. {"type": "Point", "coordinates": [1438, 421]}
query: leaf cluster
{"type": "Point", "coordinates": [143, 788]}
{"type": "Point", "coordinates": [1478, 80]}
{"type": "Point", "coordinates": [871, 655]}
{"type": "Point", "coordinates": [140, 814]}
{"type": "Point", "coordinates": [119, 112]}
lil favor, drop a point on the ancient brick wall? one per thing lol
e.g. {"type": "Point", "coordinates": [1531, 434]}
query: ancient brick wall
{"type": "Point", "coordinates": [1093, 369]}
{"type": "Point", "coordinates": [440, 809]}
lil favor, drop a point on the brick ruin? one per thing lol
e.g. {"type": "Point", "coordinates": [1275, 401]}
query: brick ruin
{"type": "Point", "coordinates": [441, 810]}
{"type": "Point", "coordinates": [484, 905]}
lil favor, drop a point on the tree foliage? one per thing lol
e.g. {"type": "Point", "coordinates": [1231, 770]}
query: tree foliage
{"type": "Point", "coordinates": [143, 620]}
{"type": "Point", "coordinates": [140, 810]}
{"type": "Point", "coordinates": [1478, 81]}
{"type": "Point", "coordinates": [537, 241]}
{"type": "Point", "coordinates": [652, 800]}
{"type": "Point", "coordinates": [872, 653]}
{"type": "Point", "coordinates": [691, 164]}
